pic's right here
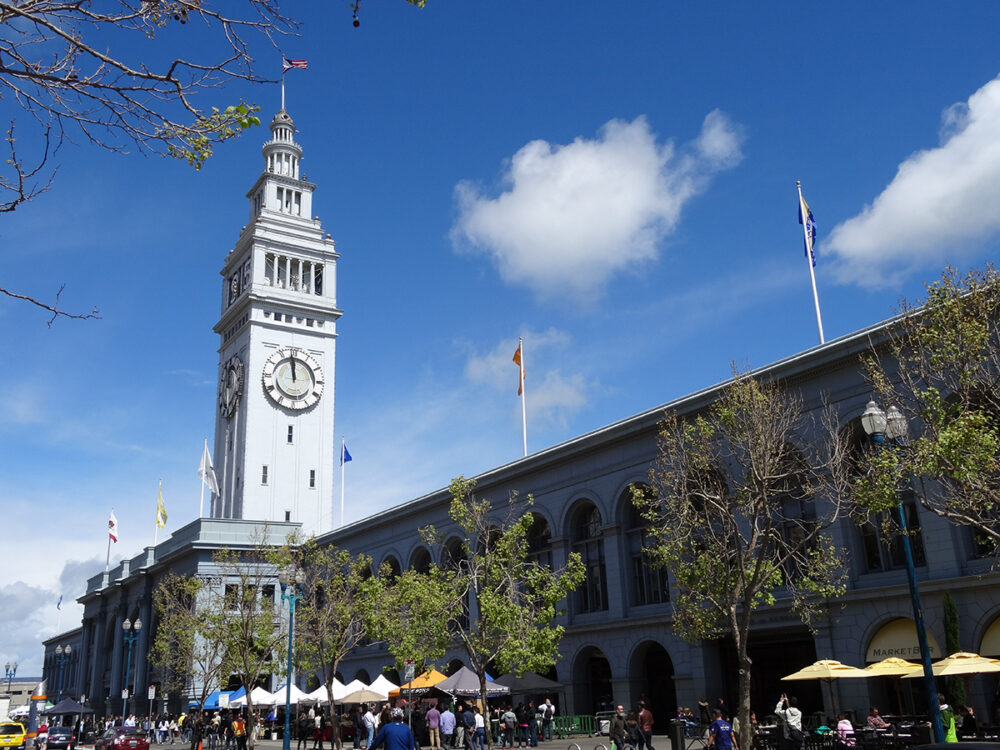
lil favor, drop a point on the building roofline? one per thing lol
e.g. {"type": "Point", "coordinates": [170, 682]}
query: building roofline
{"type": "Point", "coordinates": [787, 368]}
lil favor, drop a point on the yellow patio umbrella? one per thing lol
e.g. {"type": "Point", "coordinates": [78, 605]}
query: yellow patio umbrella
{"type": "Point", "coordinates": [420, 683]}
{"type": "Point", "coordinates": [894, 668]}
{"type": "Point", "coordinates": [827, 670]}
{"type": "Point", "coordinates": [963, 662]}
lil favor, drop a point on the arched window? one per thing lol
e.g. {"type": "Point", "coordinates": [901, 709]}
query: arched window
{"type": "Point", "coordinates": [588, 541]}
{"type": "Point", "coordinates": [880, 533]}
{"type": "Point", "coordinates": [391, 564]}
{"type": "Point", "coordinates": [540, 541]}
{"type": "Point", "coordinates": [648, 582]}
{"type": "Point", "coordinates": [420, 560]}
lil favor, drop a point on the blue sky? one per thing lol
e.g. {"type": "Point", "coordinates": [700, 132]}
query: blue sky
{"type": "Point", "coordinates": [614, 182]}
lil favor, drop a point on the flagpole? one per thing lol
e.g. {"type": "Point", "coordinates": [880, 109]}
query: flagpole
{"type": "Point", "coordinates": [201, 502]}
{"type": "Point", "coordinates": [809, 260]}
{"type": "Point", "coordinates": [343, 465]}
{"type": "Point", "coordinates": [282, 84]}
{"type": "Point", "coordinates": [524, 418]}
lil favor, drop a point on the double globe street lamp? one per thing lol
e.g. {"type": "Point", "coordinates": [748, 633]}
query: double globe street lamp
{"type": "Point", "coordinates": [889, 429]}
{"type": "Point", "coordinates": [131, 635]}
{"type": "Point", "coordinates": [62, 659]}
{"type": "Point", "coordinates": [290, 580]}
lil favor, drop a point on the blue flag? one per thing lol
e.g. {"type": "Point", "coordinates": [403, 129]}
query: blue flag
{"type": "Point", "coordinates": [59, 603]}
{"type": "Point", "coordinates": [345, 456]}
{"type": "Point", "coordinates": [810, 224]}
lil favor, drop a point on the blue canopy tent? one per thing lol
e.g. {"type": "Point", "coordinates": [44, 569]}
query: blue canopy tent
{"type": "Point", "coordinates": [212, 701]}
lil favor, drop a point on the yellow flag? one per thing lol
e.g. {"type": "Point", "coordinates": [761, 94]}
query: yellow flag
{"type": "Point", "coordinates": [161, 512]}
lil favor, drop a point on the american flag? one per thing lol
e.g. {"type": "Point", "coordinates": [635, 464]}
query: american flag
{"type": "Point", "coordinates": [287, 64]}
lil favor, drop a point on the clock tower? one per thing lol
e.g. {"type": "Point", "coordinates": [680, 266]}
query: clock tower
{"type": "Point", "coordinates": [274, 438]}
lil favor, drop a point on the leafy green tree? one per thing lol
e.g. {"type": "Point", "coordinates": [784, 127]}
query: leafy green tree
{"type": "Point", "coordinates": [337, 611]}
{"type": "Point", "coordinates": [740, 502]}
{"type": "Point", "coordinates": [412, 616]}
{"type": "Point", "coordinates": [953, 644]}
{"type": "Point", "coordinates": [187, 647]}
{"type": "Point", "coordinates": [941, 368]}
{"type": "Point", "coordinates": [250, 624]}
{"type": "Point", "coordinates": [500, 603]}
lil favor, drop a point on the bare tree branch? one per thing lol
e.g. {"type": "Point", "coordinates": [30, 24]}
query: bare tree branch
{"type": "Point", "coordinates": [53, 308]}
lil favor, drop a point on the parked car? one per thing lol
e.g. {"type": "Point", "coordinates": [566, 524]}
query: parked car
{"type": "Point", "coordinates": [122, 738]}
{"type": "Point", "coordinates": [11, 734]}
{"type": "Point", "coordinates": [61, 737]}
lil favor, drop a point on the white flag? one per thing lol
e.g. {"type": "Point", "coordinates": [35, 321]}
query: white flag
{"type": "Point", "coordinates": [207, 473]}
{"type": "Point", "coordinates": [113, 527]}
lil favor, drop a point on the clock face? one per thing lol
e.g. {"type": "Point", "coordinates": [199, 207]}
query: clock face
{"type": "Point", "coordinates": [230, 386]}
{"type": "Point", "coordinates": [292, 378]}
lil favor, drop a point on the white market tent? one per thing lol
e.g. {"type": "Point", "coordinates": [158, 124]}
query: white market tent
{"type": "Point", "coordinates": [322, 696]}
{"type": "Point", "coordinates": [259, 696]}
{"type": "Point", "coordinates": [383, 685]}
{"type": "Point", "coordinates": [296, 697]}
{"type": "Point", "coordinates": [351, 687]}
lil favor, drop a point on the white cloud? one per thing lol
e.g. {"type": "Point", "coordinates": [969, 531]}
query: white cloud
{"type": "Point", "coordinates": [496, 368]}
{"type": "Point", "coordinates": [941, 205]}
{"type": "Point", "coordinates": [572, 216]}
{"type": "Point", "coordinates": [550, 396]}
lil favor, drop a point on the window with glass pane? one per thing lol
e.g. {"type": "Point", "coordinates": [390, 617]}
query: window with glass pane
{"type": "Point", "coordinates": [592, 596]}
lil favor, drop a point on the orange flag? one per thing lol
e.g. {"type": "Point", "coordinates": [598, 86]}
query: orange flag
{"type": "Point", "coordinates": [520, 377]}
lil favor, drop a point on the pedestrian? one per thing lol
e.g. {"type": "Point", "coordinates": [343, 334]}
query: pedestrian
{"type": "Point", "coordinates": [468, 727]}
{"type": "Point", "coordinates": [302, 727]}
{"type": "Point", "coordinates": [479, 735]}
{"type": "Point", "coordinates": [369, 720]}
{"type": "Point", "coordinates": [358, 721]}
{"type": "Point", "coordinates": [508, 725]}
{"type": "Point", "coordinates": [433, 719]}
{"type": "Point", "coordinates": [240, 731]}
{"type": "Point", "coordinates": [394, 734]}
{"type": "Point", "coordinates": [618, 729]}
{"type": "Point", "coordinates": [947, 720]}
{"type": "Point", "coordinates": [195, 730]}
{"type": "Point", "coordinates": [645, 721]}
{"type": "Point", "coordinates": [534, 717]}
{"type": "Point", "coordinates": [721, 733]}
{"type": "Point", "coordinates": [548, 715]}
{"type": "Point", "coordinates": [447, 727]}
{"type": "Point", "coordinates": [788, 712]}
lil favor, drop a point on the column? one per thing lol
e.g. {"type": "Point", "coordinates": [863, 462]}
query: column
{"type": "Point", "coordinates": [117, 660]}
{"type": "Point", "coordinates": [79, 685]}
{"type": "Point", "coordinates": [141, 657]}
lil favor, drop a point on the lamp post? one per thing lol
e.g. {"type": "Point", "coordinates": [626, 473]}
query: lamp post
{"type": "Point", "coordinates": [891, 427]}
{"type": "Point", "coordinates": [131, 636]}
{"type": "Point", "coordinates": [289, 580]}
{"type": "Point", "coordinates": [9, 670]}
{"type": "Point", "coordinates": [62, 659]}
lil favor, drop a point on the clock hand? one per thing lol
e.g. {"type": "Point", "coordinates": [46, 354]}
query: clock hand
{"type": "Point", "coordinates": [293, 370]}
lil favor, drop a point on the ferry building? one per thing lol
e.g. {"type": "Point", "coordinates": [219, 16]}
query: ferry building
{"type": "Point", "coordinates": [275, 451]}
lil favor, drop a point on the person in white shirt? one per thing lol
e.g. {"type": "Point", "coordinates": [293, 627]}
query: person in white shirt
{"type": "Point", "coordinates": [791, 719]}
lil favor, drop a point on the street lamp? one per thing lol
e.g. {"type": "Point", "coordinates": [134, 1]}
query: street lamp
{"type": "Point", "coordinates": [62, 659]}
{"type": "Point", "coordinates": [289, 580]}
{"type": "Point", "coordinates": [131, 636]}
{"type": "Point", "coordinates": [9, 670]}
{"type": "Point", "coordinates": [891, 427]}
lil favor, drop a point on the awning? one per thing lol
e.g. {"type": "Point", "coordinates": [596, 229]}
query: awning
{"type": "Point", "coordinates": [991, 640]}
{"type": "Point", "coordinates": [899, 638]}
